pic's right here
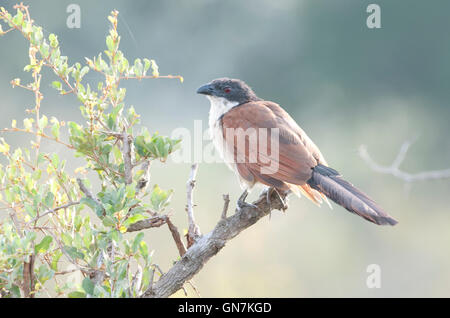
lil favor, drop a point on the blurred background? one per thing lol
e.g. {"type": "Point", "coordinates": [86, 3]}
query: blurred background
{"type": "Point", "coordinates": [345, 85]}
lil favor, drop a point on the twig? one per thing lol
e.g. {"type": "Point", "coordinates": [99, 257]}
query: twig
{"type": "Point", "coordinates": [136, 281]}
{"type": "Point", "coordinates": [155, 221]}
{"type": "Point", "coordinates": [194, 288]}
{"type": "Point", "coordinates": [194, 230]}
{"type": "Point", "coordinates": [394, 168]}
{"type": "Point", "coordinates": [65, 206]}
{"type": "Point", "coordinates": [176, 237]}
{"type": "Point", "coordinates": [226, 203]}
{"type": "Point", "coordinates": [89, 194]}
{"type": "Point", "coordinates": [40, 134]}
{"type": "Point", "coordinates": [126, 153]}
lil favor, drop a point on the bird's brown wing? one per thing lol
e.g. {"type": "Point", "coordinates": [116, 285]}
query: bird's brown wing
{"type": "Point", "coordinates": [297, 153]}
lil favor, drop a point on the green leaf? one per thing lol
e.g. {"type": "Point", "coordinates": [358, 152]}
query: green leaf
{"type": "Point", "coordinates": [143, 248]}
{"type": "Point", "coordinates": [131, 191]}
{"type": "Point", "coordinates": [155, 69]}
{"type": "Point", "coordinates": [43, 246]}
{"type": "Point", "coordinates": [133, 219]}
{"type": "Point", "coordinates": [73, 252]}
{"type": "Point", "coordinates": [109, 221]}
{"type": "Point", "coordinates": [28, 123]}
{"type": "Point", "coordinates": [88, 286]}
{"type": "Point", "coordinates": [67, 239]}
{"type": "Point", "coordinates": [110, 43]}
{"type": "Point", "coordinates": [160, 198]}
{"type": "Point", "coordinates": [57, 85]}
{"type": "Point", "coordinates": [48, 200]}
{"type": "Point", "coordinates": [77, 294]}
{"type": "Point", "coordinates": [84, 71]}
{"type": "Point", "coordinates": [44, 49]}
{"type": "Point", "coordinates": [18, 18]}
{"type": "Point", "coordinates": [138, 67]}
{"type": "Point", "coordinates": [137, 241]}
{"type": "Point", "coordinates": [53, 40]}
{"type": "Point", "coordinates": [55, 259]}
{"type": "Point", "coordinates": [44, 273]}
{"type": "Point", "coordinates": [43, 122]}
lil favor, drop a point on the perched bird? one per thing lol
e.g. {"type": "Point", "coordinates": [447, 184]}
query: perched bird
{"type": "Point", "coordinates": [262, 144]}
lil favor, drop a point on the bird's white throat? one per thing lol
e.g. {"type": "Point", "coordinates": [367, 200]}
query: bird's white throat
{"type": "Point", "coordinates": [219, 106]}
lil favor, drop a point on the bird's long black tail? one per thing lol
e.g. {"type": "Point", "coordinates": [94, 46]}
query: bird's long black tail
{"type": "Point", "coordinates": [329, 182]}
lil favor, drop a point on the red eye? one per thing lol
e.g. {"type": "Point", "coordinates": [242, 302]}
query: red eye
{"type": "Point", "coordinates": [227, 90]}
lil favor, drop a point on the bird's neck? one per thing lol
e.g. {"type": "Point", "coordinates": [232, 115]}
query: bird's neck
{"type": "Point", "coordinates": [219, 107]}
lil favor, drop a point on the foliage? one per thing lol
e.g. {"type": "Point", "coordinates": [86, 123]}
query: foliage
{"type": "Point", "coordinates": [47, 225]}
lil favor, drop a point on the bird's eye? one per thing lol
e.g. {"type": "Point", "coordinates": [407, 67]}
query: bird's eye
{"type": "Point", "coordinates": [227, 90]}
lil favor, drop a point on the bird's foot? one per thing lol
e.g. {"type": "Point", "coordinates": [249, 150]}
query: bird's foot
{"type": "Point", "coordinates": [269, 193]}
{"type": "Point", "coordinates": [242, 204]}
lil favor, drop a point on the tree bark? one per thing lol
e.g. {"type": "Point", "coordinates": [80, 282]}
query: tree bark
{"type": "Point", "coordinates": [210, 244]}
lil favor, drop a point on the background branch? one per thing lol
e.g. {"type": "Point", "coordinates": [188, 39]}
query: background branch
{"type": "Point", "coordinates": [394, 168]}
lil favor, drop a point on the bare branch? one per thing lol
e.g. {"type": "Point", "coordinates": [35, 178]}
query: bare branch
{"type": "Point", "coordinates": [210, 244]}
{"type": "Point", "coordinates": [394, 168]}
{"type": "Point", "coordinates": [155, 221]}
{"type": "Point", "coordinates": [176, 237]}
{"type": "Point", "coordinates": [126, 153]}
{"type": "Point", "coordinates": [65, 206]}
{"type": "Point", "coordinates": [194, 230]}
{"type": "Point", "coordinates": [226, 203]}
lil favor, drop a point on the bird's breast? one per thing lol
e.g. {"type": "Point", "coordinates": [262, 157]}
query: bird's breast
{"type": "Point", "coordinates": [218, 110]}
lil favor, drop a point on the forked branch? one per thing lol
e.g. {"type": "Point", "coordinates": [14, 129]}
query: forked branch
{"type": "Point", "coordinates": [210, 244]}
{"type": "Point", "coordinates": [394, 168]}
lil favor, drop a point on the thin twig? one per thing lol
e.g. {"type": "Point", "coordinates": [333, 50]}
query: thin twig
{"type": "Point", "coordinates": [226, 203]}
{"type": "Point", "coordinates": [40, 134]}
{"type": "Point", "coordinates": [394, 168]}
{"type": "Point", "coordinates": [126, 153]}
{"type": "Point", "coordinates": [65, 206]}
{"type": "Point", "coordinates": [89, 194]}
{"type": "Point", "coordinates": [176, 237]}
{"type": "Point", "coordinates": [191, 282]}
{"type": "Point", "coordinates": [193, 230]}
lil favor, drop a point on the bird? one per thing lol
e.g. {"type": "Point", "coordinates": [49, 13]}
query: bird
{"type": "Point", "coordinates": [263, 144]}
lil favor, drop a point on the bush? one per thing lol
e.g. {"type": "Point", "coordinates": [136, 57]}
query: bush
{"type": "Point", "coordinates": [48, 226]}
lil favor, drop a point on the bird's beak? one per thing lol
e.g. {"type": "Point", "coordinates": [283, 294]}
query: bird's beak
{"type": "Point", "coordinates": [206, 90]}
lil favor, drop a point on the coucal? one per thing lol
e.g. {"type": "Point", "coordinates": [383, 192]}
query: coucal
{"type": "Point", "coordinates": [262, 144]}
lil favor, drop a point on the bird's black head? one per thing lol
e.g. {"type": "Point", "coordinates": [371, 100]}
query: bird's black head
{"type": "Point", "coordinates": [233, 90]}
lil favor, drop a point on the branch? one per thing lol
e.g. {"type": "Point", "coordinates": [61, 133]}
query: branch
{"type": "Point", "coordinates": [210, 244]}
{"type": "Point", "coordinates": [155, 221]}
{"type": "Point", "coordinates": [194, 230]}
{"type": "Point", "coordinates": [65, 206]}
{"type": "Point", "coordinates": [394, 168]}
{"type": "Point", "coordinates": [89, 194]}
{"type": "Point", "coordinates": [226, 203]}
{"type": "Point", "coordinates": [40, 134]}
{"type": "Point", "coordinates": [126, 152]}
{"type": "Point", "coordinates": [176, 237]}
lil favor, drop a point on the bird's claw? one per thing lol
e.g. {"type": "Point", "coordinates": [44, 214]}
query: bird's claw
{"type": "Point", "coordinates": [269, 192]}
{"type": "Point", "coordinates": [242, 204]}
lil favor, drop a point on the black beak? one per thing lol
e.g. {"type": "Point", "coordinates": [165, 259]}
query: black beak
{"type": "Point", "coordinates": [206, 90]}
